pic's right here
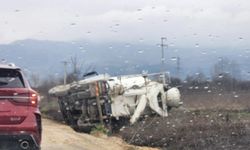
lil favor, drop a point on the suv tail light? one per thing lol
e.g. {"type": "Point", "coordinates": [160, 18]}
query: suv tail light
{"type": "Point", "coordinates": [30, 98]}
{"type": "Point", "coordinates": [20, 96]}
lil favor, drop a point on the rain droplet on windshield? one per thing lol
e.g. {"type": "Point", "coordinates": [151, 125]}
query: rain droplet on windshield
{"type": "Point", "coordinates": [80, 47]}
{"type": "Point", "coordinates": [204, 53]}
{"type": "Point", "coordinates": [171, 45]}
{"type": "Point", "coordinates": [236, 96]}
{"type": "Point", "coordinates": [126, 61]}
{"type": "Point", "coordinates": [220, 76]}
{"type": "Point", "coordinates": [140, 51]}
{"type": "Point", "coordinates": [173, 58]}
{"type": "Point", "coordinates": [127, 45]}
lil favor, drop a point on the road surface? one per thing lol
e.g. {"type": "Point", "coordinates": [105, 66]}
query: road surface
{"type": "Point", "coordinates": [57, 136]}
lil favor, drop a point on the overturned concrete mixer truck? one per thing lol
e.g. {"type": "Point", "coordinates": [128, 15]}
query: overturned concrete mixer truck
{"type": "Point", "coordinates": [105, 99]}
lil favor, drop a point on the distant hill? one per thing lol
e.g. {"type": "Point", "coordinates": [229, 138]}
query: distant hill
{"type": "Point", "coordinates": [45, 57]}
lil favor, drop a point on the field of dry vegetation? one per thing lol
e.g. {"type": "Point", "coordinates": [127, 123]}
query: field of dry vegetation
{"type": "Point", "coordinates": [206, 121]}
{"type": "Point", "coordinates": [216, 115]}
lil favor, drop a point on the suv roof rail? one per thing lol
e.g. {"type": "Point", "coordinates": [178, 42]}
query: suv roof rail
{"type": "Point", "coordinates": [11, 65]}
{"type": "Point", "coordinates": [8, 65]}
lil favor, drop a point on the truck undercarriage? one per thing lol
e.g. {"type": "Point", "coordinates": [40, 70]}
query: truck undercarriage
{"type": "Point", "coordinates": [112, 100]}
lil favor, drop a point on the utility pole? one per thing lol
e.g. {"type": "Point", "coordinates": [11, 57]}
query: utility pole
{"type": "Point", "coordinates": [65, 63]}
{"type": "Point", "coordinates": [178, 67]}
{"type": "Point", "coordinates": [163, 45]}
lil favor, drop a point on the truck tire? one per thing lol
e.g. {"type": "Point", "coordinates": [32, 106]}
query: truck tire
{"type": "Point", "coordinates": [63, 111]}
{"type": "Point", "coordinates": [85, 129]}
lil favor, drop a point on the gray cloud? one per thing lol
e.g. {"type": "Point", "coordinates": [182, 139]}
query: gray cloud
{"type": "Point", "coordinates": [214, 23]}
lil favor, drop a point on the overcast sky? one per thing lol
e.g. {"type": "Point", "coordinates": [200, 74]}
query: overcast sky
{"type": "Point", "coordinates": [186, 23]}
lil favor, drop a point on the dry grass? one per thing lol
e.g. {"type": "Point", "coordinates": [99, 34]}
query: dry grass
{"type": "Point", "coordinates": [229, 101]}
{"type": "Point", "coordinates": [192, 130]}
{"type": "Point", "coordinates": [49, 108]}
{"type": "Point", "coordinates": [206, 121]}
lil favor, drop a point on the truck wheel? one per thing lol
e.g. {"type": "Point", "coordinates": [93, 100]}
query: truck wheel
{"type": "Point", "coordinates": [85, 129]}
{"type": "Point", "coordinates": [63, 111]}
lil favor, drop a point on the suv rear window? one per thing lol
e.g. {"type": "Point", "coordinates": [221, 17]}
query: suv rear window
{"type": "Point", "coordinates": [10, 78]}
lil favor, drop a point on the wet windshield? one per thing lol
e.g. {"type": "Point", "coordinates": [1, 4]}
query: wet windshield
{"type": "Point", "coordinates": [162, 74]}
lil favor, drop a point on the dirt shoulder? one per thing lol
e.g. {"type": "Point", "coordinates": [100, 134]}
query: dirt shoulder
{"type": "Point", "coordinates": [57, 136]}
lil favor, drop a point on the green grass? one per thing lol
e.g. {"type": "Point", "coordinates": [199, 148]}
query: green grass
{"type": "Point", "coordinates": [100, 129]}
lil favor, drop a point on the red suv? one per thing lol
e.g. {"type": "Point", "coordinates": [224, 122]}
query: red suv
{"type": "Point", "coordinates": [20, 119]}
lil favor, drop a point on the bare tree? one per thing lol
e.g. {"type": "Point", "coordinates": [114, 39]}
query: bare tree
{"type": "Point", "coordinates": [89, 68]}
{"type": "Point", "coordinates": [225, 67]}
{"type": "Point", "coordinates": [225, 74]}
{"type": "Point", "coordinates": [76, 69]}
{"type": "Point", "coordinates": [35, 80]}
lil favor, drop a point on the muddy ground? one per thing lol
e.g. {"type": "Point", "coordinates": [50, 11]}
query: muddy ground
{"type": "Point", "coordinates": [192, 130]}
{"type": "Point", "coordinates": [206, 121]}
{"type": "Point", "coordinates": [184, 130]}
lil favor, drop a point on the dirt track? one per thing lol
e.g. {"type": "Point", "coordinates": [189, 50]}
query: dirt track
{"type": "Point", "coordinates": [61, 137]}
